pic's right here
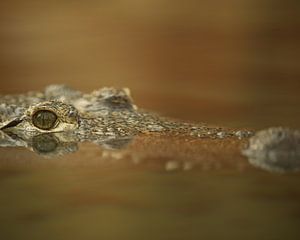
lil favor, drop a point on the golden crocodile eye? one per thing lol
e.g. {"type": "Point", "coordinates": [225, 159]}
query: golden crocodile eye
{"type": "Point", "coordinates": [44, 119]}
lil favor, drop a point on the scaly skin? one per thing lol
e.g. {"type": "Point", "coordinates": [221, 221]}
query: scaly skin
{"type": "Point", "coordinates": [106, 112]}
{"type": "Point", "coordinates": [109, 115]}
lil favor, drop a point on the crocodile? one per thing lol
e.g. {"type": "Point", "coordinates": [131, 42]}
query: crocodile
{"type": "Point", "coordinates": [51, 121]}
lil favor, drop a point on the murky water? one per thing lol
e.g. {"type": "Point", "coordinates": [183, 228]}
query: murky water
{"type": "Point", "coordinates": [153, 187]}
{"type": "Point", "coordinates": [230, 63]}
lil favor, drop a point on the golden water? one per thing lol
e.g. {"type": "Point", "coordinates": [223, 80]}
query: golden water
{"type": "Point", "coordinates": [230, 63]}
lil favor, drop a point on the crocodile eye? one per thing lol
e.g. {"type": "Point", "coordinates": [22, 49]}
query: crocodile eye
{"type": "Point", "coordinates": [44, 119]}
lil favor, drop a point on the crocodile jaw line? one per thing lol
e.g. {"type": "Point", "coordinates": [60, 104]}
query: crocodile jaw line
{"type": "Point", "coordinates": [11, 123]}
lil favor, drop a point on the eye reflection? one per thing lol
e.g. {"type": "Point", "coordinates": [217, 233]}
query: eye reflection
{"type": "Point", "coordinates": [44, 119]}
{"type": "Point", "coordinates": [45, 143]}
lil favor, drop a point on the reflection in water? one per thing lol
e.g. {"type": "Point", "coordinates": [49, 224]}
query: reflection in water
{"type": "Point", "coordinates": [57, 144]}
{"type": "Point", "coordinates": [274, 150]}
{"type": "Point", "coordinates": [115, 144]}
{"type": "Point", "coordinates": [45, 143]}
{"type": "Point", "coordinates": [51, 145]}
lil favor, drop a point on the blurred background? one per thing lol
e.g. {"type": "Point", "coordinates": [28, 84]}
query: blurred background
{"type": "Point", "coordinates": [234, 63]}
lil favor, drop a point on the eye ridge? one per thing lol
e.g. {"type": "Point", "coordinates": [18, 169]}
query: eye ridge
{"type": "Point", "coordinates": [44, 119]}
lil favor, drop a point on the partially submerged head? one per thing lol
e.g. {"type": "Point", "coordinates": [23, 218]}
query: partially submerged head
{"type": "Point", "coordinates": [62, 109]}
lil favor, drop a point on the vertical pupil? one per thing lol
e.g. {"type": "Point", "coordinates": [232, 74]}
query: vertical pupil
{"type": "Point", "coordinates": [44, 119]}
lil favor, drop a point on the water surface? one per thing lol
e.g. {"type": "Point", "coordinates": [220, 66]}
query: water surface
{"type": "Point", "coordinates": [229, 63]}
{"type": "Point", "coordinates": [155, 187]}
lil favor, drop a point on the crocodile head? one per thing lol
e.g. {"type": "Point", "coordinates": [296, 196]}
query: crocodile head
{"type": "Point", "coordinates": [50, 120]}
{"type": "Point", "coordinates": [60, 109]}
{"type": "Point", "coordinates": [44, 117]}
